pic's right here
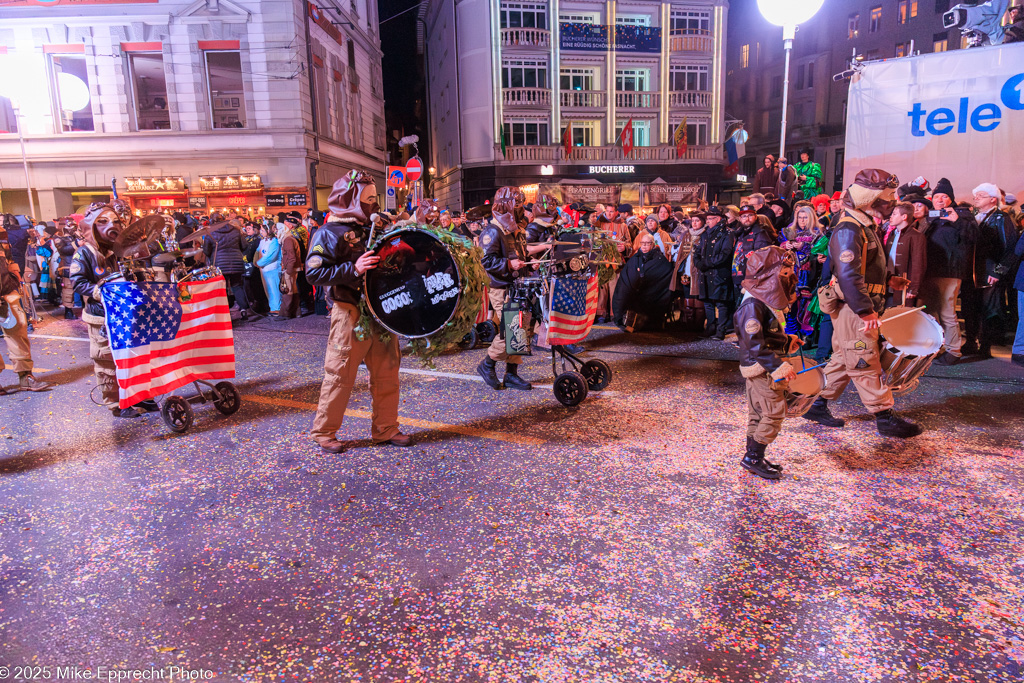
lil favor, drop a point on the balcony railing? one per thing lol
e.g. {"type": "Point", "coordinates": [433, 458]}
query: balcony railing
{"type": "Point", "coordinates": [689, 99]}
{"type": "Point", "coordinates": [525, 37]}
{"type": "Point", "coordinates": [584, 98]}
{"type": "Point", "coordinates": [681, 40]}
{"type": "Point", "coordinates": [549, 153]}
{"type": "Point", "coordinates": [526, 97]}
{"type": "Point", "coordinates": [637, 100]}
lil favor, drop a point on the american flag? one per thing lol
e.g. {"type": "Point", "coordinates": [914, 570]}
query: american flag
{"type": "Point", "coordinates": [573, 307]}
{"type": "Point", "coordinates": [162, 339]}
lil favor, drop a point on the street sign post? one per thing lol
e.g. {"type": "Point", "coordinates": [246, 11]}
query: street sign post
{"type": "Point", "coordinates": [396, 176]}
{"type": "Point", "coordinates": [389, 199]}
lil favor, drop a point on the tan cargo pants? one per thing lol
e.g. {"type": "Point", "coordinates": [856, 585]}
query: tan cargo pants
{"type": "Point", "coordinates": [766, 408]}
{"type": "Point", "coordinates": [856, 358]}
{"type": "Point", "coordinates": [102, 360]}
{"type": "Point", "coordinates": [341, 363]}
{"type": "Point", "coordinates": [17, 337]}
{"type": "Point", "coordinates": [496, 351]}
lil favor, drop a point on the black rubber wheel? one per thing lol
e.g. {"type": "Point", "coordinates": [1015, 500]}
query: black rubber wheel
{"type": "Point", "coordinates": [230, 401]}
{"type": "Point", "coordinates": [598, 374]}
{"type": "Point", "coordinates": [487, 331]}
{"type": "Point", "coordinates": [570, 388]}
{"type": "Point", "coordinates": [177, 414]}
{"type": "Point", "coordinates": [469, 341]}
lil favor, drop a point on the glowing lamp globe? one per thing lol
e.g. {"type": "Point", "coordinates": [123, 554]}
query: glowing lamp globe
{"type": "Point", "coordinates": [789, 12]}
{"type": "Point", "coordinates": [74, 93]}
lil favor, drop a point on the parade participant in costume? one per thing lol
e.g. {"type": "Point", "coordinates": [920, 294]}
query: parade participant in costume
{"type": "Point", "coordinates": [93, 261]}
{"type": "Point", "coordinates": [543, 225]}
{"type": "Point", "coordinates": [65, 247]}
{"type": "Point", "coordinates": [428, 213]}
{"type": "Point", "coordinates": [504, 243]}
{"type": "Point", "coordinates": [854, 300]}
{"type": "Point", "coordinates": [769, 289]}
{"type": "Point", "coordinates": [808, 175]}
{"type": "Point", "coordinates": [16, 336]}
{"type": "Point", "coordinates": [338, 259]}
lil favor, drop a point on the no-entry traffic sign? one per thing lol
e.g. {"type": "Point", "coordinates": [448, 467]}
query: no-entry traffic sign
{"type": "Point", "coordinates": [413, 169]}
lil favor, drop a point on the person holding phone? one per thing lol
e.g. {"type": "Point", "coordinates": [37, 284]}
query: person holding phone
{"type": "Point", "coordinates": [951, 239]}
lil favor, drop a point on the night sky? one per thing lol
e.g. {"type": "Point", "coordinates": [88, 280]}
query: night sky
{"type": "Point", "coordinates": [403, 69]}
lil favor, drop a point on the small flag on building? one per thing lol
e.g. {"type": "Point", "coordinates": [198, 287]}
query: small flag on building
{"type": "Point", "coordinates": [680, 139]}
{"type": "Point", "coordinates": [573, 307]}
{"type": "Point", "coordinates": [567, 138]}
{"type": "Point", "coordinates": [162, 339]}
{"type": "Point", "coordinates": [626, 137]}
{"type": "Point", "coordinates": [735, 149]}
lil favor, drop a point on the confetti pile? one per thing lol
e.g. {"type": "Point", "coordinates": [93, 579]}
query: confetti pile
{"type": "Point", "coordinates": [617, 541]}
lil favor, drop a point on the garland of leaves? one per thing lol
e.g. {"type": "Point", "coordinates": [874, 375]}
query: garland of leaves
{"type": "Point", "coordinates": [474, 280]}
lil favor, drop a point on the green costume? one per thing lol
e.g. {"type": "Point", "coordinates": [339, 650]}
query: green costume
{"type": "Point", "coordinates": [811, 185]}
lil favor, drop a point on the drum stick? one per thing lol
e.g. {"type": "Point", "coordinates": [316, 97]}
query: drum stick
{"type": "Point", "coordinates": [912, 310]}
{"type": "Point", "coordinates": [820, 365]}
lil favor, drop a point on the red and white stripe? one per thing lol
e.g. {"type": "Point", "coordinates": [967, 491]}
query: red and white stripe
{"type": "Point", "coordinates": [570, 329]}
{"type": "Point", "coordinates": [204, 348]}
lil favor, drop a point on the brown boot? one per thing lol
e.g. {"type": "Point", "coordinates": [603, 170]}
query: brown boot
{"type": "Point", "coordinates": [30, 383]}
{"type": "Point", "coordinates": [332, 446]}
{"type": "Point", "coordinates": [398, 439]}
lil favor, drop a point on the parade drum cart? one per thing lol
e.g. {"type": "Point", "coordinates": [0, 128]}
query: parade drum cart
{"type": "Point", "coordinates": [574, 377]}
{"type": "Point", "coordinates": [146, 312]}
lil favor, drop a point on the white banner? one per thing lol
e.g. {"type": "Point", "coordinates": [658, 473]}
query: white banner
{"type": "Point", "coordinates": [956, 115]}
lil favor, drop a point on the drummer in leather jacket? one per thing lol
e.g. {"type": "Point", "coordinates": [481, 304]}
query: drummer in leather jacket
{"type": "Point", "coordinates": [854, 301]}
{"type": "Point", "coordinates": [505, 254]}
{"type": "Point", "coordinates": [94, 261]}
{"type": "Point", "coordinates": [769, 289]}
{"type": "Point", "coordinates": [338, 259]}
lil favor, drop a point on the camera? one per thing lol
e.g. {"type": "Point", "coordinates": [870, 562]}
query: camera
{"type": "Point", "coordinates": [934, 214]}
{"type": "Point", "coordinates": [981, 21]}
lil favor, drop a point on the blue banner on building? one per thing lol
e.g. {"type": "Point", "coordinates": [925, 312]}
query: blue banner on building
{"type": "Point", "coordinates": [592, 37]}
{"type": "Point", "coordinates": [638, 38]}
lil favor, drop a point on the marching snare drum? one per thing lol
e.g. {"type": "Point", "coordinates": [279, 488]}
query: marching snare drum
{"type": "Point", "coordinates": [417, 285]}
{"type": "Point", "coordinates": [911, 344]}
{"type": "Point", "coordinates": [804, 389]}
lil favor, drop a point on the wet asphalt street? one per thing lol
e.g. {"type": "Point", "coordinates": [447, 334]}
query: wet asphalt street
{"type": "Point", "coordinates": [518, 540]}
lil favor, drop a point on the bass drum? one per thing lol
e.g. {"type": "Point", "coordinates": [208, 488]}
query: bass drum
{"type": "Point", "coordinates": [416, 287]}
{"type": "Point", "coordinates": [911, 344]}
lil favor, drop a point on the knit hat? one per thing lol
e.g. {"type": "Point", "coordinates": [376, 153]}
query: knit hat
{"type": "Point", "coordinates": [946, 188]}
{"type": "Point", "coordinates": [988, 188]}
{"type": "Point", "coordinates": [625, 208]}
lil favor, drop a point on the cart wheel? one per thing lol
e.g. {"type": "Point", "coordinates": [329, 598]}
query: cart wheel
{"type": "Point", "coordinates": [598, 374]}
{"type": "Point", "coordinates": [469, 341]}
{"type": "Point", "coordinates": [487, 331]}
{"type": "Point", "coordinates": [177, 413]}
{"type": "Point", "coordinates": [230, 400]}
{"type": "Point", "coordinates": [570, 388]}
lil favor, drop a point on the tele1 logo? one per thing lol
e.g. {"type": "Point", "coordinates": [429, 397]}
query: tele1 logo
{"type": "Point", "coordinates": [983, 118]}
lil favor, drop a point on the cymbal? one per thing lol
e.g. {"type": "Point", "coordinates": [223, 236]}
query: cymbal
{"type": "Point", "coordinates": [557, 244]}
{"type": "Point", "coordinates": [165, 257]}
{"type": "Point", "coordinates": [200, 233]}
{"type": "Point", "coordinates": [132, 242]}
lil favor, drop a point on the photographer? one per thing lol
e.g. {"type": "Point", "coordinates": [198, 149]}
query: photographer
{"type": "Point", "coordinates": [951, 237]}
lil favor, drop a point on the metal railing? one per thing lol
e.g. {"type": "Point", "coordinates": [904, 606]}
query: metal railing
{"type": "Point", "coordinates": [513, 97]}
{"type": "Point", "coordinates": [637, 100]}
{"type": "Point", "coordinates": [689, 99]}
{"type": "Point", "coordinates": [525, 37]}
{"type": "Point", "coordinates": [682, 40]}
{"type": "Point", "coordinates": [549, 153]}
{"type": "Point", "coordinates": [584, 98]}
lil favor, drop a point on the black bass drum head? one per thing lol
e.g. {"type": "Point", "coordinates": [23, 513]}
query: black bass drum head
{"type": "Point", "coordinates": [416, 286]}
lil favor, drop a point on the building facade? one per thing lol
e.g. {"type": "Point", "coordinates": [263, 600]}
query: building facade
{"type": "Point", "coordinates": [841, 33]}
{"type": "Point", "coordinates": [257, 105]}
{"type": "Point", "coordinates": [536, 93]}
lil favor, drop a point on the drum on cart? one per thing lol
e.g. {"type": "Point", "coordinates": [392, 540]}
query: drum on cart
{"type": "Point", "coordinates": [416, 287]}
{"type": "Point", "coordinates": [804, 388]}
{"type": "Point", "coordinates": [911, 344]}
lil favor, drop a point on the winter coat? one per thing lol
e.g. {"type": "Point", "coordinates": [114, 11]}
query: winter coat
{"type": "Point", "coordinates": [269, 255]}
{"type": "Point", "coordinates": [17, 238]}
{"type": "Point", "coordinates": [996, 239]}
{"type": "Point", "coordinates": [291, 255]}
{"type": "Point", "coordinates": [684, 251]}
{"type": "Point", "coordinates": [643, 285]}
{"type": "Point", "coordinates": [713, 259]}
{"type": "Point", "coordinates": [911, 258]}
{"type": "Point", "coordinates": [661, 236]}
{"type": "Point", "coordinates": [747, 240]}
{"type": "Point", "coordinates": [766, 179]}
{"type": "Point", "coordinates": [228, 253]}
{"type": "Point", "coordinates": [786, 184]}
{"type": "Point", "coordinates": [951, 248]}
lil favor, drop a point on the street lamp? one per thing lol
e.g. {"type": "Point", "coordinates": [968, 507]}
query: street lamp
{"type": "Point", "coordinates": [787, 14]}
{"type": "Point", "coordinates": [13, 84]}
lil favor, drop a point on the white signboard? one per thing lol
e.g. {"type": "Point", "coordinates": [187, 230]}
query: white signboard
{"type": "Point", "coordinates": [389, 199]}
{"type": "Point", "coordinates": [956, 115]}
